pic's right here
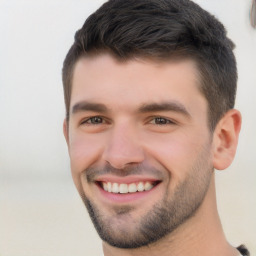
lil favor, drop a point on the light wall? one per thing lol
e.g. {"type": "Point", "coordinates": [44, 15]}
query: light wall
{"type": "Point", "coordinates": [34, 38]}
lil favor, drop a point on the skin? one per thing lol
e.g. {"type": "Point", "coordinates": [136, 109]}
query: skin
{"type": "Point", "coordinates": [110, 126]}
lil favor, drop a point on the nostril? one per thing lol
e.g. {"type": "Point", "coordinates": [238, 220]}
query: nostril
{"type": "Point", "coordinates": [121, 162]}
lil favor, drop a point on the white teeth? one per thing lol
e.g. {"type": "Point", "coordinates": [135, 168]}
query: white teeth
{"type": "Point", "coordinates": [132, 188]}
{"type": "Point", "coordinates": [148, 186]}
{"type": "Point", "coordinates": [105, 186]}
{"type": "Point", "coordinates": [140, 187]}
{"type": "Point", "coordinates": [109, 187]}
{"type": "Point", "coordinates": [123, 188]}
{"type": "Point", "coordinates": [115, 188]}
{"type": "Point", "coordinates": [127, 188]}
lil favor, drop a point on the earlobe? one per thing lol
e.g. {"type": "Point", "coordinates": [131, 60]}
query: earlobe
{"type": "Point", "coordinates": [65, 131]}
{"type": "Point", "coordinates": [225, 139]}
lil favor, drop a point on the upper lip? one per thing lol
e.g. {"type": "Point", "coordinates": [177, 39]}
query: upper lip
{"type": "Point", "coordinates": [125, 180]}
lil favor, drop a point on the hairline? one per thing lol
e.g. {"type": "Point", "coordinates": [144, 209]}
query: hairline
{"type": "Point", "coordinates": [172, 58]}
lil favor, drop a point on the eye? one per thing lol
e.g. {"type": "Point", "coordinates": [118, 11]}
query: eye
{"type": "Point", "coordinates": [161, 121]}
{"type": "Point", "coordinates": [94, 124]}
{"type": "Point", "coordinates": [93, 120]}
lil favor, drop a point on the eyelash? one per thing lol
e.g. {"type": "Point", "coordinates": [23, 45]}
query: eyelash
{"type": "Point", "coordinates": [89, 121]}
{"type": "Point", "coordinates": [162, 121]}
{"type": "Point", "coordinates": [158, 120]}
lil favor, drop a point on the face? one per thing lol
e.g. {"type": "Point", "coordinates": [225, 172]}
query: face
{"type": "Point", "coordinates": [139, 146]}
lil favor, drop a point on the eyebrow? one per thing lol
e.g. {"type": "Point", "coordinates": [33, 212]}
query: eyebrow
{"type": "Point", "coordinates": [89, 106]}
{"type": "Point", "coordinates": [144, 108]}
{"type": "Point", "coordinates": [165, 106]}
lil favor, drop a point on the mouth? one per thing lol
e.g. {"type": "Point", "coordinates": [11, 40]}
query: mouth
{"type": "Point", "coordinates": [127, 188]}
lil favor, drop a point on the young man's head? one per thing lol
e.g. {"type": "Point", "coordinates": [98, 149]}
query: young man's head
{"type": "Point", "coordinates": [149, 90]}
{"type": "Point", "coordinates": [161, 30]}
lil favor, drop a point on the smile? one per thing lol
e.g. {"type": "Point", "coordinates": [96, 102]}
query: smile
{"type": "Point", "coordinates": [123, 188]}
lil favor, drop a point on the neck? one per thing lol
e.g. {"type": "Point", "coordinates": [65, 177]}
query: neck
{"type": "Point", "coordinates": [201, 234]}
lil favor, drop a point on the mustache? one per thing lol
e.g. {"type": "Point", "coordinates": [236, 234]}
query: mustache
{"type": "Point", "coordinates": [92, 173]}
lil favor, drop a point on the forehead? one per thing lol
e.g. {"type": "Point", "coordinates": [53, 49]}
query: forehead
{"type": "Point", "coordinates": [104, 79]}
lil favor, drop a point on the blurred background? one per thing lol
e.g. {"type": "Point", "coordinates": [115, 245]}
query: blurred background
{"type": "Point", "coordinates": [40, 211]}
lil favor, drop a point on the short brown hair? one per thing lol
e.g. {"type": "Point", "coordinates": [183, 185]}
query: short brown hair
{"type": "Point", "coordinates": [161, 29]}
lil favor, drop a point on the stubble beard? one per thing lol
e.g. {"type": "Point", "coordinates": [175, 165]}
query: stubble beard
{"type": "Point", "coordinates": [163, 218]}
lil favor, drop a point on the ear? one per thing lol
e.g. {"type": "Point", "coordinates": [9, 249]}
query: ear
{"type": "Point", "coordinates": [65, 131]}
{"type": "Point", "coordinates": [225, 139]}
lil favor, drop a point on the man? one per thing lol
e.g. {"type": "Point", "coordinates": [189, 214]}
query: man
{"type": "Point", "coordinates": [149, 90]}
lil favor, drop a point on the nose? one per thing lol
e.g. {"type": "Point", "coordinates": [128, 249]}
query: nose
{"type": "Point", "coordinates": [123, 147]}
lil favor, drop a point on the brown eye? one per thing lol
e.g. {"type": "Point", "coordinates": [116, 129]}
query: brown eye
{"type": "Point", "coordinates": [96, 120]}
{"type": "Point", "coordinates": [93, 120]}
{"type": "Point", "coordinates": [161, 121]}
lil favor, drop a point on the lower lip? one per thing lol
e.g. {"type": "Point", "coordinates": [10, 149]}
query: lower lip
{"type": "Point", "coordinates": [124, 198]}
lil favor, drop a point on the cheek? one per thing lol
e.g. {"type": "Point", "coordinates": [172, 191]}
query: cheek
{"type": "Point", "coordinates": [84, 151]}
{"type": "Point", "coordinates": [176, 152]}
